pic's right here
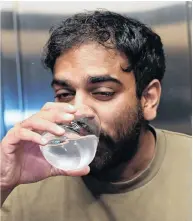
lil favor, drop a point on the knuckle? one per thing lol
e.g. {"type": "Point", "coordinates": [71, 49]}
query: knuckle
{"type": "Point", "coordinates": [20, 132]}
{"type": "Point", "coordinates": [40, 114]}
{"type": "Point", "coordinates": [47, 105]}
{"type": "Point", "coordinates": [15, 133]}
{"type": "Point", "coordinates": [59, 117]}
{"type": "Point", "coordinates": [11, 132]}
{"type": "Point", "coordinates": [32, 121]}
{"type": "Point", "coordinates": [55, 115]}
{"type": "Point", "coordinates": [3, 142]}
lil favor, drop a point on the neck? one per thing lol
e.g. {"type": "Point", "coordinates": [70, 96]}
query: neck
{"type": "Point", "coordinates": [140, 161]}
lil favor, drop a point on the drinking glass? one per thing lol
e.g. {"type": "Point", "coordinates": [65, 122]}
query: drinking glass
{"type": "Point", "coordinates": [76, 149]}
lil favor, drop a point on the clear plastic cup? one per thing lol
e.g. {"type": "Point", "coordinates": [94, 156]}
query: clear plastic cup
{"type": "Point", "coordinates": [76, 149]}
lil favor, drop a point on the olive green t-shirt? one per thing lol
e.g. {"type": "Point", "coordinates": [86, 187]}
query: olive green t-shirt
{"type": "Point", "coordinates": [162, 192]}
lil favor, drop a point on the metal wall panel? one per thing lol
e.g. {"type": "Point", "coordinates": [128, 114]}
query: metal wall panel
{"type": "Point", "coordinates": [26, 84]}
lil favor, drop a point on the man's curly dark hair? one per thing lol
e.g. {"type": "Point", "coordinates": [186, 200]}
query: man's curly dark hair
{"type": "Point", "coordinates": [142, 47]}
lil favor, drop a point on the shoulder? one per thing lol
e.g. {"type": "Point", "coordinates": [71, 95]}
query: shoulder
{"type": "Point", "coordinates": [177, 152]}
{"type": "Point", "coordinates": [176, 149]}
{"type": "Point", "coordinates": [175, 139]}
{"type": "Point", "coordinates": [173, 134]}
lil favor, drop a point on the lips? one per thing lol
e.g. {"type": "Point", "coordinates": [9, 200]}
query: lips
{"type": "Point", "coordinates": [80, 128]}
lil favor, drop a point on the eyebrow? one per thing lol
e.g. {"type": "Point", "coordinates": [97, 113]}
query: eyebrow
{"type": "Point", "coordinates": [63, 83]}
{"type": "Point", "coordinates": [90, 80]}
{"type": "Point", "coordinates": [101, 79]}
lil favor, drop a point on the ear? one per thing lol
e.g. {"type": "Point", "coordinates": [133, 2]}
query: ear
{"type": "Point", "coordinates": [150, 99]}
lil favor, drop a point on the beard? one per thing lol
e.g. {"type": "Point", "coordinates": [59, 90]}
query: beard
{"type": "Point", "coordinates": [122, 145]}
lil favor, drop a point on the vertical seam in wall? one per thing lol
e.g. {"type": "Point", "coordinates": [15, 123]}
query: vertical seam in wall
{"type": "Point", "coordinates": [18, 60]}
{"type": "Point", "coordinates": [2, 125]}
{"type": "Point", "coordinates": [188, 17]}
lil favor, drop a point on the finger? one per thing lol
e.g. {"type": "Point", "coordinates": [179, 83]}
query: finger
{"type": "Point", "coordinates": [54, 116]}
{"type": "Point", "coordinates": [61, 106]}
{"type": "Point", "coordinates": [59, 172]}
{"type": "Point", "coordinates": [15, 135]}
{"type": "Point", "coordinates": [42, 125]}
{"type": "Point", "coordinates": [81, 172]}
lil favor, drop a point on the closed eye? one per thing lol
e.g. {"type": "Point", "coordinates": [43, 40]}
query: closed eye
{"type": "Point", "coordinates": [64, 97]}
{"type": "Point", "coordinates": [98, 95]}
{"type": "Point", "coordinates": [103, 95]}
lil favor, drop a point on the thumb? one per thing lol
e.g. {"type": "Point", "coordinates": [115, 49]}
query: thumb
{"type": "Point", "coordinates": [59, 172]}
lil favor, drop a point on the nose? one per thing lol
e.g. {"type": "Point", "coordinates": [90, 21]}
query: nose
{"type": "Point", "coordinates": [85, 111]}
{"type": "Point", "coordinates": [83, 105]}
{"type": "Point", "coordinates": [80, 98]}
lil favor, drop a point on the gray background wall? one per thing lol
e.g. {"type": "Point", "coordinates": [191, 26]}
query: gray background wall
{"type": "Point", "coordinates": [25, 84]}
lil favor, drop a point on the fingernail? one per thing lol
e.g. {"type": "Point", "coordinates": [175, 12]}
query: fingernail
{"type": "Point", "coordinates": [71, 107]}
{"type": "Point", "coordinates": [44, 141]}
{"type": "Point", "coordinates": [68, 116]}
{"type": "Point", "coordinates": [60, 129]}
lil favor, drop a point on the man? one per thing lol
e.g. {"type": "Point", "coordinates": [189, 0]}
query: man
{"type": "Point", "coordinates": [114, 65]}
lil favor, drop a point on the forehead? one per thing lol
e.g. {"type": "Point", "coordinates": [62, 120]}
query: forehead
{"type": "Point", "coordinates": [90, 60]}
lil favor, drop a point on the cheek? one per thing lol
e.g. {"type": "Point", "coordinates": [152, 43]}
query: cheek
{"type": "Point", "coordinates": [115, 113]}
{"type": "Point", "coordinates": [107, 120]}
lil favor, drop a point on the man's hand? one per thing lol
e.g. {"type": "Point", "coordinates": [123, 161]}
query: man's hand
{"type": "Point", "coordinates": [20, 156]}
